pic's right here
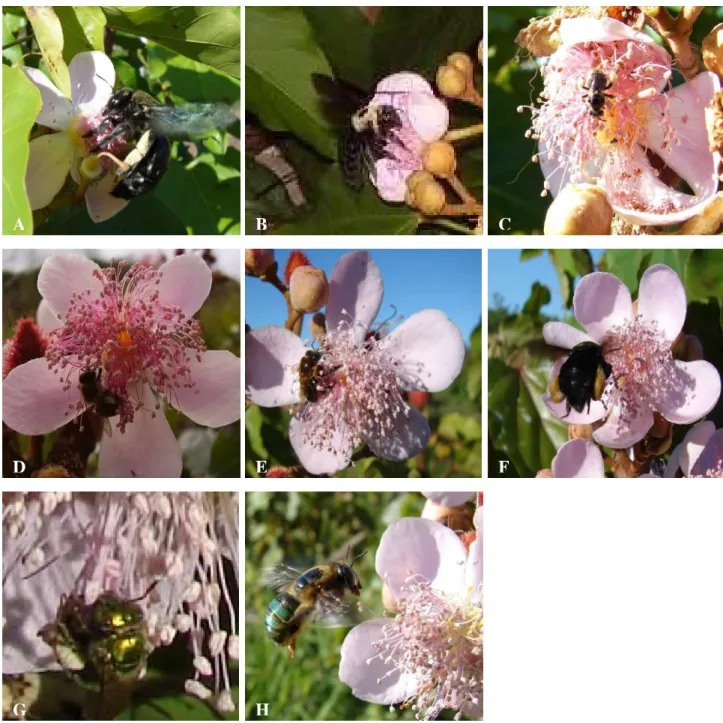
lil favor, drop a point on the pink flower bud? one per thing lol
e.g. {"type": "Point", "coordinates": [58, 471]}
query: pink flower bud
{"type": "Point", "coordinates": [258, 261]}
{"type": "Point", "coordinates": [308, 289]}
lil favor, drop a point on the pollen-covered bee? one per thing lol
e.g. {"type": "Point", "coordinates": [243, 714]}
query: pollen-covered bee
{"type": "Point", "coordinates": [312, 375]}
{"type": "Point", "coordinates": [314, 596]}
{"type": "Point", "coordinates": [597, 83]}
{"type": "Point", "coordinates": [131, 115]}
{"type": "Point", "coordinates": [582, 377]}
{"type": "Point", "coordinates": [365, 127]}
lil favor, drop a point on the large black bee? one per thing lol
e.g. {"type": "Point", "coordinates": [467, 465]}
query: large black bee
{"type": "Point", "coordinates": [365, 127]}
{"type": "Point", "coordinates": [582, 377]}
{"type": "Point", "coordinates": [135, 116]}
{"type": "Point", "coordinates": [597, 83]}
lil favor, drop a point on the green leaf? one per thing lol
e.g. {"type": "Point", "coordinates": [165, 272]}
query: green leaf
{"type": "Point", "coordinates": [82, 29]}
{"type": "Point", "coordinates": [281, 55]}
{"type": "Point", "coordinates": [21, 105]}
{"type": "Point", "coordinates": [539, 296]}
{"type": "Point", "coordinates": [459, 427]}
{"type": "Point", "coordinates": [12, 25]}
{"type": "Point", "coordinates": [226, 453]}
{"type": "Point", "coordinates": [625, 264]}
{"type": "Point", "coordinates": [341, 210]}
{"type": "Point", "coordinates": [704, 274]}
{"type": "Point", "coordinates": [49, 36]}
{"type": "Point", "coordinates": [210, 35]}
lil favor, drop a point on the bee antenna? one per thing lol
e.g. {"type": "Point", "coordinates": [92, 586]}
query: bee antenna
{"type": "Point", "coordinates": [358, 557]}
{"type": "Point", "coordinates": [150, 589]}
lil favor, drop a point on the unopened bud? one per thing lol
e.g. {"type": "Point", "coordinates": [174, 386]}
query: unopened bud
{"type": "Point", "coordinates": [579, 210]}
{"type": "Point", "coordinates": [317, 324]}
{"type": "Point", "coordinates": [541, 37]}
{"type": "Point", "coordinates": [712, 49]}
{"type": "Point", "coordinates": [413, 182]}
{"type": "Point", "coordinates": [279, 472]}
{"type": "Point", "coordinates": [462, 62]}
{"type": "Point", "coordinates": [308, 289]}
{"type": "Point", "coordinates": [419, 400]}
{"type": "Point", "coordinates": [258, 261]}
{"type": "Point", "coordinates": [429, 197]}
{"type": "Point", "coordinates": [451, 81]}
{"type": "Point", "coordinates": [439, 159]}
{"type": "Point", "coordinates": [52, 470]}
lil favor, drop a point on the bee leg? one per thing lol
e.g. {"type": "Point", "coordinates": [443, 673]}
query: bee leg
{"type": "Point", "coordinates": [291, 647]}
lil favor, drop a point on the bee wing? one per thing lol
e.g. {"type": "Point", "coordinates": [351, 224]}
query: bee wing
{"type": "Point", "coordinates": [189, 121]}
{"type": "Point", "coordinates": [329, 612]}
{"type": "Point", "coordinates": [338, 98]}
{"type": "Point", "coordinates": [280, 576]}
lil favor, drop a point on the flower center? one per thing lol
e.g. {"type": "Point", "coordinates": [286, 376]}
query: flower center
{"type": "Point", "coordinates": [128, 334]}
{"type": "Point", "coordinates": [436, 641]}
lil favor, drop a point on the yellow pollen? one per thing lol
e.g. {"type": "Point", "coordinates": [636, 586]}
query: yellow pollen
{"type": "Point", "coordinates": [124, 338]}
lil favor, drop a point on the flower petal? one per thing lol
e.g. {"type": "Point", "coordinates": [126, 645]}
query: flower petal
{"type": "Point", "coordinates": [185, 282]}
{"type": "Point", "coordinates": [391, 179]}
{"type": "Point", "coordinates": [56, 111]}
{"type": "Point", "coordinates": [147, 448]}
{"type": "Point", "coordinates": [428, 349]}
{"type": "Point", "coordinates": [99, 201]}
{"type": "Point", "coordinates": [578, 458]}
{"type": "Point", "coordinates": [320, 460]}
{"type": "Point", "coordinates": [559, 409]}
{"type": "Point", "coordinates": [215, 400]}
{"type": "Point", "coordinates": [355, 287]}
{"type": "Point", "coordinates": [45, 319]}
{"type": "Point", "coordinates": [404, 82]}
{"type": "Point", "coordinates": [425, 548]}
{"type": "Point", "coordinates": [558, 175]}
{"type": "Point", "coordinates": [449, 499]}
{"type": "Point", "coordinates": [271, 351]}
{"type": "Point", "coordinates": [661, 299]}
{"type": "Point", "coordinates": [363, 670]}
{"type": "Point", "coordinates": [62, 275]}
{"type": "Point", "coordinates": [694, 394]}
{"type": "Point", "coordinates": [574, 31]}
{"type": "Point", "coordinates": [693, 445]}
{"type": "Point", "coordinates": [51, 157]}
{"type": "Point", "coordinates": [428, 116]}
{"type": "Point", "coordinates": [601, 301]}
{"type": "Point", "coordinates": [617, 434]}
{"type": "Point", "coordinates": [34, 401]}
{"type": "Point", "coordinates": [711, 458]}
{"type": "Point", "coordinates": [558, 333]}
{"type": "Point", "coordinates": [92, 77]}
{"type": "Point", "coordinates": [406, 438]}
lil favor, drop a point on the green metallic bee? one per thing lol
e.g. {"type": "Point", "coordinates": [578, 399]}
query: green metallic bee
{"type": "Point", "coordinates": [101, 643]}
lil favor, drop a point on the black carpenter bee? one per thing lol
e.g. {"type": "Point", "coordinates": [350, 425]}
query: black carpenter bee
{"type": "Point", "coordinates": [365, 127]}
{"type": "Point", "coordinates": [104, 403]}
{"type": "Point", "coordinates": [135, 116]}
{"type": "Point", "coordinates": [597, 83]}
{"type": "Point", "coordinates": [311, 376]}
{"type": "Point", "coordinates": [582, 377]}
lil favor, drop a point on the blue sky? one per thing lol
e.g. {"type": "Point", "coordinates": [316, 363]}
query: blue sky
{"type": "Point", "coordinates": [448, 279]}
{"type": "Point", "coordinates": [513, 278]}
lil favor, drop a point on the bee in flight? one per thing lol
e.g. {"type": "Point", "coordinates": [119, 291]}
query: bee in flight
{"type": "Point", "coordinates": [313, 596]}
{"type": "Point", "coordinates": [312, 374]}
{"type": "Point", "coordinates": [366, 128]}
{"type": "Point", "coordinates": [135, 116]}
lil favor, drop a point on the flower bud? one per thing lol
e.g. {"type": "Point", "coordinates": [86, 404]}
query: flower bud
{"type": "Point", "coordinates": [296, 259]}
{"type": "Point", "coordinates": [439, 159]}
{"type": "Point", "coordinates": [451, 81]}
{"type": "Point", "coordinates": [713, 50]}
{"type": "Point", "coordinates": [317, 325]}
{"type": "Point", "coordinates": [413, 182]}
{"type": "Point", "coordinates": [541, 37]}
{"type": "Point", "coordinates": [278, 471]}
{"type": "Point", "coordinates": [258, 261]}
{"type": "Point", "coordinates": [544, 474]}
{"type": "Point", "coordinates": [308, 289]}
{"type": "Point", "coordinates": [581, 209]}
{"type": "Point", "coordinates": [462, 62]}
{"type": "Point", "coordinates": [419, 400]}
{"type": "Point", "coordinates": [430, 198]}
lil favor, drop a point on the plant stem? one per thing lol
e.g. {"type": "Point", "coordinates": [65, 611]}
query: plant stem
{"type": "Point", "coordinates": [18, 41]}
{"type": "Point", "coordinates": [451, 225]}
{"type": "Point", "coordinates": [459, 134]}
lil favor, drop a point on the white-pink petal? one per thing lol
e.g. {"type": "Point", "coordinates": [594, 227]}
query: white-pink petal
{"type": "Point", "coordinates": [574, 31]}
{"type": "Point", "coordinates": [61, 275]}
{"type": "Point", "coordinates": [425, 548]}
{"type": "Point", "coordinates": [57, 110]}
{"type": "Point", "coordinates": [693, 445]}
{"type": "Point", "coordinates": [429, 350]}
{"type": "Point", "coordinates": [92, 77]}
{"type": "Point", "coordinates": [578, 458]}
{"type": "Point", "coordinates": [661, 299]}
{"type": "Point", "coordinates": [215, 400]}
{"type": "Point", "coordinates": [428, 116]}
{"type": "Point", "coordinates": [406, 438]}
{"type": "Point", "coordinates": [34, 401]}
{"type": "Point", "coordinates": [560, 334]}
{"type": "Point", "coordinates": [100, 203]}
{"type": "Point", "coordinates": [449, 499]}
{"type": "Point", "coordinates": [45, 319]}
{"type": "Point", "coordinates": [51, 157]}
{"type": "Point", "coordinates": [617, 434]}
{"type": "Point", "coordinates": [694, 394]}
{"type": "Point", "coordinates": [185, 282]}
{"type": "Point", "coordinates": [601, 301]}
{"type": "Point", "coordinates": [271, 352]}
{"type": "Point", "coordinates": [356, 290]}
{"type": "Point", "coordinates": [333, 457]}
{"type": "Point", "coordinates": [711, 457]}
{"type": "Point", "coordinates": [391, 180]}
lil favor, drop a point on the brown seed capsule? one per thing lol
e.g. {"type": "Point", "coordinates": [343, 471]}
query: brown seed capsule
{"type": "Point", "coordinates": [439, 159]}
{"type": "Point", "coordinates": [451, 81]}
{"type": "Point", "coordinates": [579, 210]}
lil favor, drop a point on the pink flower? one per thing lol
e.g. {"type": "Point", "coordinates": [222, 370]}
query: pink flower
{"type": "Point", "coordinates": [365, 373]}
{"type": "Point", "coordinates": [424, 118]}
{"type": "Point", "coordinates": [578, 458]}
{"type": "Point", "coordinates": [55, 544]}
{"type": "Point", "coordinates": [638, 118]}
{"type": "Point", "coordinates": [699, 455]}
{"type": "Point", "coordinates": [138, 331]}
{"type": "Point", "coordinates": [645, 377]}
{"type": "Point", "coordinates": [430, 653]}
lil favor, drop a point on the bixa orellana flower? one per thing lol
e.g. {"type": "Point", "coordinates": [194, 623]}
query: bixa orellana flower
{"type": "Point", "coordinates": [54, 155]}
{"type": "Point", "coordinates": [429, 655]}
{"type": "Point", "coordinates": [57, 544]}
{"type": "Point", "coordinates": [136, 330]}
{"type": "Point", "coordinates": [636, 342]}
{"type": "Point", "coordinates": [422, 117]}
{"type": "Point", "coordinates": [638, 119]}
{"type": "Point", "coordinates": [364, 373]}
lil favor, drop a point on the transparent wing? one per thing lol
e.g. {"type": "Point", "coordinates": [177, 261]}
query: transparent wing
{"type": "Point", "coordinates": [329, 612]}
{"type": "Point", "coordinates": [191, 120]}
{"type": "Point", "coordinates": [279, 576]}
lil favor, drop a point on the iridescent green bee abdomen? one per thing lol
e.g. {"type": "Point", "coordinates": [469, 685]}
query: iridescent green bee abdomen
{"type": "Point", "coordinates": [278, 615]}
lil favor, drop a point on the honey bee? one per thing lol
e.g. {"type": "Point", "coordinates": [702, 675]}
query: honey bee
{"type": "Point", "coordinates": [311, 376]}
{"type": "Point", "coordinates": [316, 595]}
